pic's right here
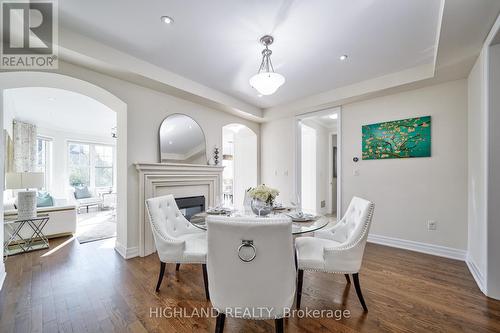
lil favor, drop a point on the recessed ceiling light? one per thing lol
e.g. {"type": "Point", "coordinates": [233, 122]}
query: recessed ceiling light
{"type": "Point", "coordinates": [333, 116]}
{"type": "Point", "coordinates": [167, 19]}
{"type": "Point", "coordinates": [51, 99]}
{"type": "Point", "coordinates": [343, 57]}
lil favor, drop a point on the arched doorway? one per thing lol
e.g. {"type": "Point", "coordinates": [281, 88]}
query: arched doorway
{"type": "Point", "coordinates": [13, 80]}
{"type": "Point", "coordinates": [239, 152]}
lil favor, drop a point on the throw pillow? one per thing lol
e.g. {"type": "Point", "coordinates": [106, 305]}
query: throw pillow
{"type": "Point", "coordinates": [44, 199]}
{"type": "Point", "coordinates": [82, 192]}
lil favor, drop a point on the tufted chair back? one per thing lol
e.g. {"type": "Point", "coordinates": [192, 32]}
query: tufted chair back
{"type": "Point", "coordinates": [264, 282]}
{"type": "Point", "coordinates": [350, 235]}
{"type": "Point", "coordinates": [355, 221]}
{"type": "Point", "coordinates": [168, 225]}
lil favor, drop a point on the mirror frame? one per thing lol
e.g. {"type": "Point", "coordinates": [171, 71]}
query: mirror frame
{"type": "Point", "coordinates": [202, 131]}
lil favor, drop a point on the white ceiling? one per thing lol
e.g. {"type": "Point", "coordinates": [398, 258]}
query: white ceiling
{"type": "Point", "coordinates": [216, 42]}
{"type": "Point", "coordinates": [61, 110]}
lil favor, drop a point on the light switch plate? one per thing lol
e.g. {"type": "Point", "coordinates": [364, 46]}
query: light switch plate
{"type": "Point", "coordinates": [431, 225]}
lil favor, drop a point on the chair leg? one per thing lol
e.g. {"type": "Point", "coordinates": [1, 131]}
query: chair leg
{"type": "Point", "coordinates": [347, 278]}
{"type": "Point", "coordinates": [278, 323]}
{"type": "Point", "coordinates": [160, 278]}
{"type": "Point", "coordinates": [177, 266]}
{"type": "Point", "coordinates": [299, 287]}
{"type": "Point", "coordinates": [205, 280]}
{"type": "Point", "coordinates": [219, 323]}
{"type": "Point", "coordinates": [355, 277]}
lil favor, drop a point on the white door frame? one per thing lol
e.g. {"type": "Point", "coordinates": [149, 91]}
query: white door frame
{"type": "Point", "coordinates": [297, 157]}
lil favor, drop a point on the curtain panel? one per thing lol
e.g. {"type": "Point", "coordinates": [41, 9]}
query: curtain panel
{"type": "Point", "coordinates": [24, 147]}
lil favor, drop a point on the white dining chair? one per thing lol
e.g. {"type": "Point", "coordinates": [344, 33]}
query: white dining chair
{"type": "Point", "coordinates": [338, 249]}
{"type": "Point", "coordinates": [251, 268]}
{"type": "Point", "coordinates": [176, 239]}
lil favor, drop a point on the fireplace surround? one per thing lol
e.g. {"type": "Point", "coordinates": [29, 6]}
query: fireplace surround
{"type": "Point", "coordinates": [180, 180]}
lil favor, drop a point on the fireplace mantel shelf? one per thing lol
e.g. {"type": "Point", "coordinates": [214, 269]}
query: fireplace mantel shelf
{"type": "Point", "coordinates": [144, 167]}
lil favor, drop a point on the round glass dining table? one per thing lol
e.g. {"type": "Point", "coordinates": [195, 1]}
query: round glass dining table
{"type": "Point", "coordinates": [199, 221]}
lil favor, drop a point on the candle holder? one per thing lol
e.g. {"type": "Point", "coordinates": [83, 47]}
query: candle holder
{"type": "Point", "coordinates": [216, 155]}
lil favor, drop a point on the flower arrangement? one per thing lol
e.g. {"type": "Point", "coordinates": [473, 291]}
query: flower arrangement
{"type": "Point", "coordinates": [264, 193]}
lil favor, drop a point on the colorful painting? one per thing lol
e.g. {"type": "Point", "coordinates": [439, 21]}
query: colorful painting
{"type": "Point", "coordinates": [397, 139]}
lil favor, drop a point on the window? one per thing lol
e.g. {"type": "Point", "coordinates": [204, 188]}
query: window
{"type": "Point", "coordinates": [43, 159]}
{"type": "Point", "coordinates": [79, 164]}
{"type": "Point", "coordinates": [103, 166]}
{"type": "Point", "coordinates": [91, 165]}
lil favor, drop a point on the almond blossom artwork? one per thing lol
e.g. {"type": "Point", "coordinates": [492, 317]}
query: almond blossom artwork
{"type": "Point", "coordinates": [397, 139]}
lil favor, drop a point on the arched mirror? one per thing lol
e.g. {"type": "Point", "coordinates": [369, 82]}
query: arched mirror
{"type": "Point", "coordinates": [182, 140]}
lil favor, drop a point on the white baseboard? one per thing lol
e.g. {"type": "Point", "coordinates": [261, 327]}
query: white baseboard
{"type": "Point", "coordinates": [126, 253]}
{"type": "Point", "coordinates": [437, 250]}
{"type": "Point", "coordinates": [476, 273]}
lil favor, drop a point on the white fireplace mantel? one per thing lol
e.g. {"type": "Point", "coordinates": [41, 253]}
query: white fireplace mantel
{"type": "Point", "coordinates": [180, 180]}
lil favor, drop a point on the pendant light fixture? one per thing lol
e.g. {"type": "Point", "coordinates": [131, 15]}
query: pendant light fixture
{"type": "Point", "coordinates": [266, 81]}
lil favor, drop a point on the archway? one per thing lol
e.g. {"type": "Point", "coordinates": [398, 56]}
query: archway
{"type": "Point", "coordinates": [12, 80]}
{"type": "Point", "coordinates": [240, 161]}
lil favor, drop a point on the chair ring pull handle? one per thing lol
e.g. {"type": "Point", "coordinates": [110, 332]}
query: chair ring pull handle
{"type": "Point", "coordinates": [247, 243]}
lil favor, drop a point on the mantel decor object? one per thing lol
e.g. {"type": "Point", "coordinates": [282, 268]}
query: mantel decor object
{"type": "Point", "coordinates": [216, 155]}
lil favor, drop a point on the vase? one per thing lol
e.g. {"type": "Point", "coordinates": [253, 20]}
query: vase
{"type": "Point", "coordinates": [261, 208]}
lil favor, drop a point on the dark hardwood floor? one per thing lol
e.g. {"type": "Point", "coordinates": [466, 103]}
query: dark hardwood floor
{"type": "Point", "coordinates": [90, 288]}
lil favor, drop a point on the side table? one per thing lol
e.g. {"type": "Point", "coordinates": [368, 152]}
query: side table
{"type": "Point", "coordinates": [25, 235]}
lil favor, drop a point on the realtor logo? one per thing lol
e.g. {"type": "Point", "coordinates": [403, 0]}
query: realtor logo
{"type": "Point", "coordinates": [29, 34]}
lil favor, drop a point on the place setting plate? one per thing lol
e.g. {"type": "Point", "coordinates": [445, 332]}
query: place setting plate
{"type": "Point", "coordinates": [302, 217]}
{"type": "Point", "coordinates": [218, 211]}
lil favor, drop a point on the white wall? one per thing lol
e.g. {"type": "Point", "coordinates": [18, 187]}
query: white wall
{"type": "Point", "coordinates": [484, 165]}
{"type": "Point", "coordinates": [8, 115]}
{"type": "Point", "coordinates": [476, 177]}
{"type": "Point", "coordinates": [245, 164]}
{"type": "Point", "coordinates": [278, 156]}
{"type": "Point", "coordinates": [59, 178]}
{"type": "Point", "coordinates": [406, 192]}
{"type": "Point", "coordinates": [323, 172]}
{"type": "Point", "coordinates": [493, 231]}
{"type": "Point", "coordinates": [308, 169]}
{"type": "Point", "coordinates": [409, 192]}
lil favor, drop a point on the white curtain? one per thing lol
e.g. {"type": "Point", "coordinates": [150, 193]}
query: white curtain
{"type": "Point", "coordinates": [24, 147]}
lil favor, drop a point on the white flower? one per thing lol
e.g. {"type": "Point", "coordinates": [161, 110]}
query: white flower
{"type": "Point", "coordinates": [264, 193]}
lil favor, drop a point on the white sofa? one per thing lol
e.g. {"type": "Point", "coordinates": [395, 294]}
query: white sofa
{"type": "Point", "coordinates": [94, 200]}
{"type": "Point", "coordinates": [62, 217]}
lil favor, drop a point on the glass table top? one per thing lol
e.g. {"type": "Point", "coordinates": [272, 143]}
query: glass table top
{"type": "Point", "coordinates": [199, 221]}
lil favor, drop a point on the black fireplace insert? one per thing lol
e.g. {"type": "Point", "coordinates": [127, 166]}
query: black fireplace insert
{"type": "Point", "coordinates": [190, 206]}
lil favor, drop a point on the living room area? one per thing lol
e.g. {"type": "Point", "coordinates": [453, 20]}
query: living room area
{"type": "Point", "coordinates": [63, 144]}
